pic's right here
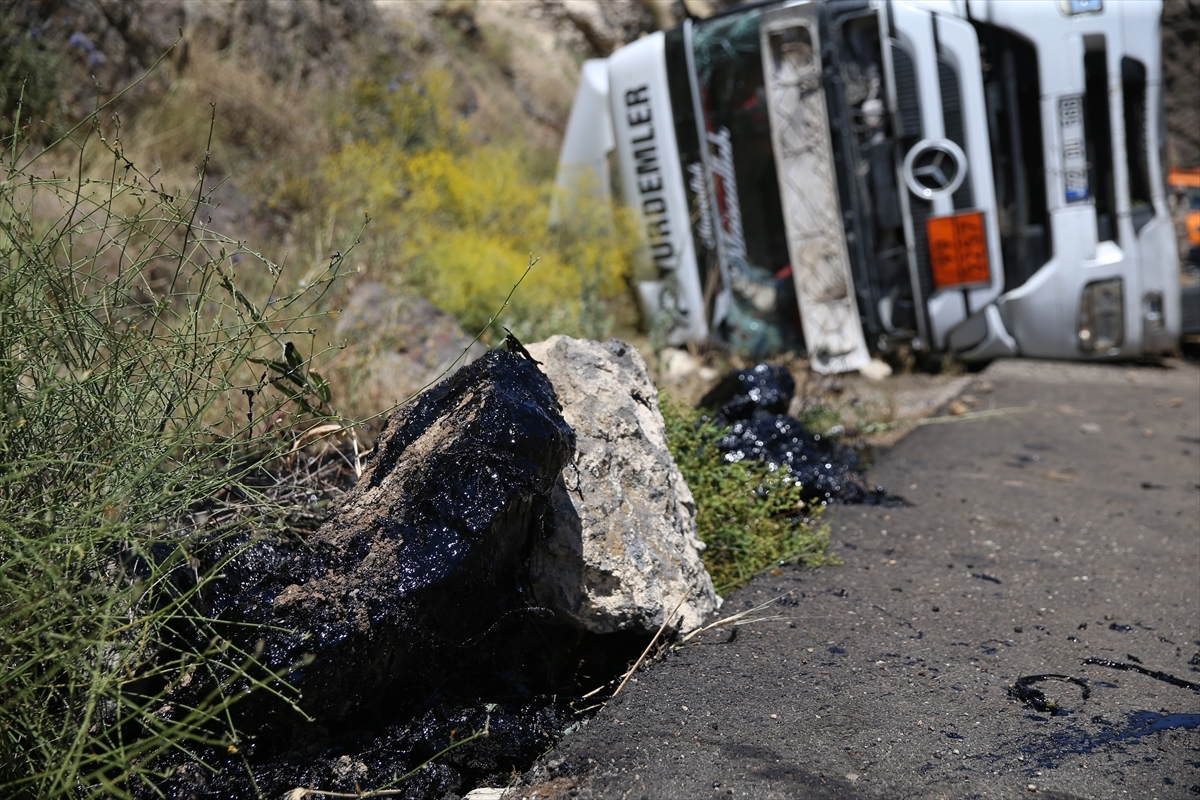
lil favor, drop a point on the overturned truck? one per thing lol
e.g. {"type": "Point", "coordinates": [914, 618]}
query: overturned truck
{"type": "Point", "coordinates": [851, 176]}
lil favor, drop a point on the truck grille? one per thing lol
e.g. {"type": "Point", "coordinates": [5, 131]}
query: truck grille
{"type": "Point", "coordinates": [952, 119]}
{"type": "Point", "coordinates": [920, 211]}
{"type": "Point", "coordinates": [908, 101]}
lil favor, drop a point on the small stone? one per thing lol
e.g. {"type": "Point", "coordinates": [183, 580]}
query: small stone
{"type": "Point", "coordinates": [875, 370]}
{"type": "Point", "coordinates": [1089, 428]}
{"type": "Point", "coordinates": [485, 793]}
{"type": "Point", "coordinates": [678, 364]}
{"type": "Point", "coordinates": [958, 408]}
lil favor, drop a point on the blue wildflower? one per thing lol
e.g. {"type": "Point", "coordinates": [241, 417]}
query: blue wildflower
{"type": "Point", "coordinates": [79, 40]}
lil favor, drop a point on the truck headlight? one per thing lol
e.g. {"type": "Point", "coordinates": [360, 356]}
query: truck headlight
{"type": "Point", "coordinates": [1102, 316]}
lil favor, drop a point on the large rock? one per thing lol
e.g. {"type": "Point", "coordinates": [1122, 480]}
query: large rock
{"type": "Point", "coordinates": [421, 569]}
{"type": "Point", "coordinates": [624, 550]}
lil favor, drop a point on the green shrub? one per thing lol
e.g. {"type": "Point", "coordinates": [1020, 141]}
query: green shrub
{"type": "Point", "coordinates": [457, 214]}
{"type": "Point", "coordinates": [29, 72]}
{"type": "Point", "coordinates": [749, 517]}
{"type": "Point", "coordinates": [141, 394]}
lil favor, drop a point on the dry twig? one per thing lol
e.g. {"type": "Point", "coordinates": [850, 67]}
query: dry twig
{"type": "Point", "coordinates": [737, 619]}
{"type": "Point", "coordinates": [666, 621]}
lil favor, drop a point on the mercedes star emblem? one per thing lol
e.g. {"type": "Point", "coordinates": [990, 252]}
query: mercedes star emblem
{"type": "Point", "coordinates": [934, 168]}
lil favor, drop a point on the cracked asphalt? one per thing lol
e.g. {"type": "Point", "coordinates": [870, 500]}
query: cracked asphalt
{"type": "Point", "coordinates": [1051, 547]}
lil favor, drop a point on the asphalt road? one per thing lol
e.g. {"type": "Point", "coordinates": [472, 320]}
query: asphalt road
{"type": "Point", "coordinates": [1064, 530]}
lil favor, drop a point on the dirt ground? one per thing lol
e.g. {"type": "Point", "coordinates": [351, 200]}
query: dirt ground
{"type": "Point", "coordinates": [1052, 549]}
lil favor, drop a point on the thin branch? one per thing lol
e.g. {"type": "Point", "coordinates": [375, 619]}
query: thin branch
{"type": "Point", "coordinates": [666, 621]}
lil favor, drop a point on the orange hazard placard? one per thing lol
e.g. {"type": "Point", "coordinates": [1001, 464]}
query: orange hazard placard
{"type": "Point", "coordinates": [958, 250]}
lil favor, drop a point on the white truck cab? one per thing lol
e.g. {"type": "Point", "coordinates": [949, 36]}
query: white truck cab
{"type": "Point", "coordinates": [977, 176]}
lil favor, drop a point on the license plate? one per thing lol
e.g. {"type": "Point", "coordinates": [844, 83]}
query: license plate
{"type": "Point", "coordinates": [958, 250]}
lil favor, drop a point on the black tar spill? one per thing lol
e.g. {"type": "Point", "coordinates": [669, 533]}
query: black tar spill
{"type": "Point", "coordinates": [1024, 691]}
{"type": "Point", "coordinates": [1150, 673]}
{"type": "Point", "coordinates": [1047, 751]}
{"type": "Point", "coordinates": [753, 403]}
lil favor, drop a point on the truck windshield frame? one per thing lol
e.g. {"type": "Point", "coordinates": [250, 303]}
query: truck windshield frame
{"type": "Point", "coordinates": [1137, 150]}
{"type": "Point", "coordinates": [1098, 132]}
{"type": "Point", "coordinates": [732, 184]}
{"type": "Point", "coordinates": [1009, 64]}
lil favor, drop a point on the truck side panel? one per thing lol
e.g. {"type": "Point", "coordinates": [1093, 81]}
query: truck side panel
{"type": "Point", "coordinates": [652, 183]}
